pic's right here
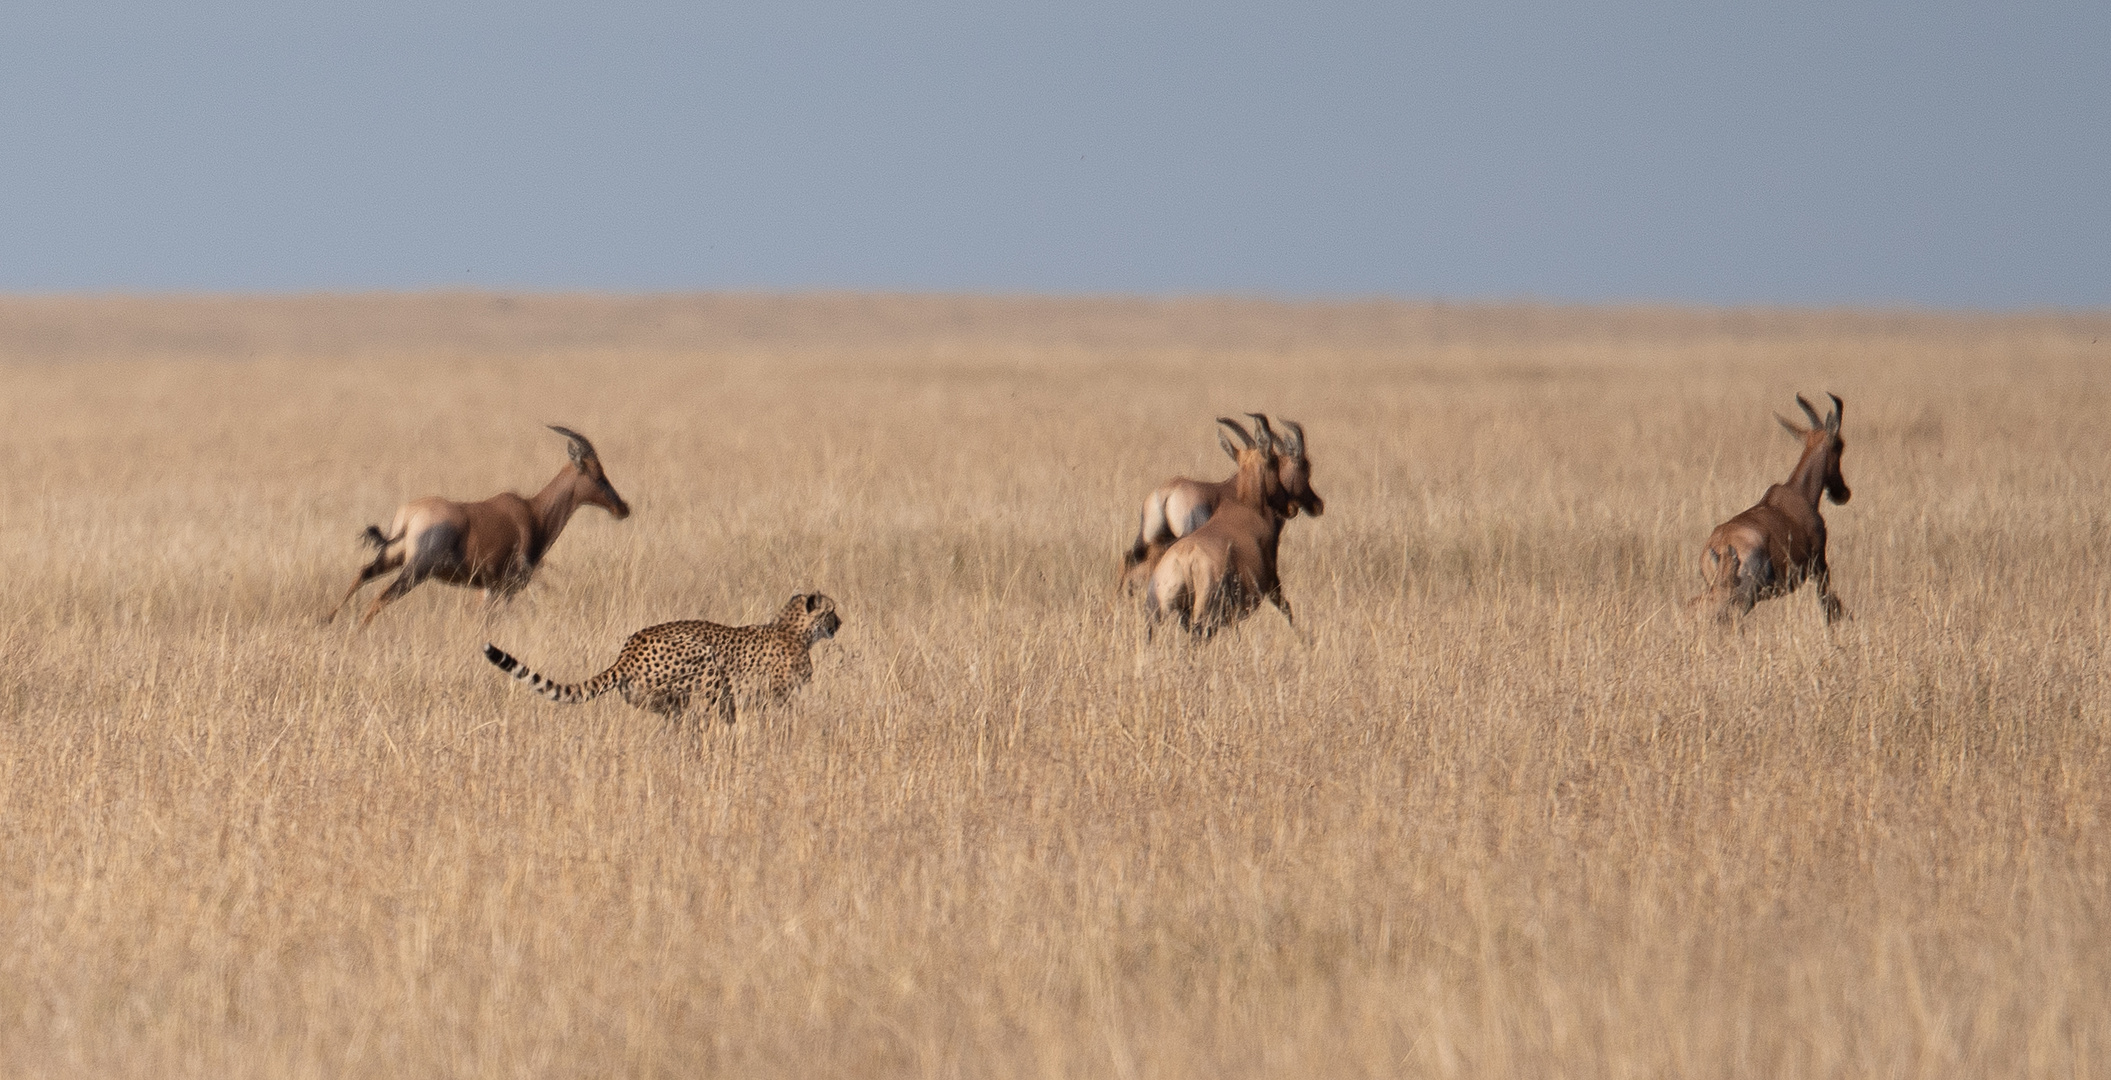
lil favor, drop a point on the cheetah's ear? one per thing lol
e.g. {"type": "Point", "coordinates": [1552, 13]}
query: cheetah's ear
{"type": "Point", "coordinates": [812, 601]}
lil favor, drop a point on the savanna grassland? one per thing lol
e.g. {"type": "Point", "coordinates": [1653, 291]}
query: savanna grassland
{"type": "Point", "coordinates": [1506, 812]}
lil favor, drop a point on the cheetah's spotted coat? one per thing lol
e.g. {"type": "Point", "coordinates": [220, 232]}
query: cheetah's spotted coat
{"type": "Point", "coordinates": [674, 667]}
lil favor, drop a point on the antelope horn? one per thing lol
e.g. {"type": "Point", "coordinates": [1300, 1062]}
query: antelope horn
{"type": "Point", "coordinates": [1297, 432]}
{"type": "Point", "coordinates": [580, 449]}
{"type": "Point", "coordinates": [1832, 423]}
{"type": "Point", "coordinates": [1234, 425]}
{"type": "Point", "coordinates": [1810, 412]}
{"type": "Point", "coordinates": [1791, 426]}
{"type": "Point", "coordinates": [1268, 436]}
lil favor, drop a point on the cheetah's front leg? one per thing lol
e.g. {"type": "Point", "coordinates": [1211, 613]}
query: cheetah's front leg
{"type": "Point", "coordinates": [713, 692]}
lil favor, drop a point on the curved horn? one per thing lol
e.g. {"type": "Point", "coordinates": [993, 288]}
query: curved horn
{"type": "Point", "coordinates": [1297, 432]}
{"type": "Point", "coordinates": [1810, 412]}
{"type": "Point", "coordinates": [1269, 441]}
{"type": "Point", "coordinates": [1234, 425]}
{"type": "Point", "coordinates": [1832, 423]}
{"type": "Point", "coordinates": [580, 449]}
{"type": "Point", "coordinates": [1791, 426]}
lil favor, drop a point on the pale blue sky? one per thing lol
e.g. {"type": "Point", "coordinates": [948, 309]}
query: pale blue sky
{"type": "Point", "coordinates": [1808, 153]}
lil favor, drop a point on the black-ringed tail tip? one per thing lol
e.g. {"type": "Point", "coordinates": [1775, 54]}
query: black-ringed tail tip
{"type": "Point", "coordinates": [562, 693]}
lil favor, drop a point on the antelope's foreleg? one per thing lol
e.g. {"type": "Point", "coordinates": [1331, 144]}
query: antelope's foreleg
{"type": "Point", "coordinates": [1282, 604]}
{"type": "Point", "coordinates": [1828, 601]}
{"type": "Point", "coordinates": [503, 591]}
{"type": "Point", "coordinates": [494, 599]}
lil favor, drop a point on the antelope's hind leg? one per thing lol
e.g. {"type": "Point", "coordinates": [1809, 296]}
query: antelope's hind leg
{"type": "Point", "coordinates": [405, 582]}
{"type": "Point", "coordinates": [1733, 581]}
{"type": "Point", "coordinates": [436, 547]}
{"type": "Point", "coordinates": [367, 573]}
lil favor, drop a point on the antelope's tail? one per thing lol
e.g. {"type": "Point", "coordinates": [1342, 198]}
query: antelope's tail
{"type": "Point", "coordinates": [1139, 550]}
{"type": "Point", "coordinates": [380, 540]}
{"type": "Point", "coordinates": [561, 693]}
{"type": "Point", "coordinates": [1151, 528]}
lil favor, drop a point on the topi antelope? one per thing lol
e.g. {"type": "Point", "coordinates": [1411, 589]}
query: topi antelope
{"type": "Point", "coordinates": [494, 545]}
{"type": "Point", "coordinates": [1219, 573]}
{"type": "Point", "coordinates": [1769, 550]}
{"type": "Point", "coordinates": [1181, 505]}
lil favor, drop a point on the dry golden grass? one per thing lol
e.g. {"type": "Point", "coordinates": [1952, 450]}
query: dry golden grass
{"type": "Point", "coordinates": [1507, 814]}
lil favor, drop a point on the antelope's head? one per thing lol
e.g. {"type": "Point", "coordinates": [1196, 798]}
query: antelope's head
{"type": "Point", "coordinates": [1822, 439]}
{"type": "Point", "coordinates": [1296, 472]}
{"type": "Point", "coordinates": [589, 483]}
{"type": "Point", "coordinates": [1260, 481]}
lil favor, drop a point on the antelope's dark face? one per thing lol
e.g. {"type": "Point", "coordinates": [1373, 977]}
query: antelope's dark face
{"type": "Point", "coordinates": [1269, 465]}
{"type": "Point", "coordinates": [1835, 484]}
{"type": "Point", "coordinates": [1822, 443]}
{"type": "Point", "coordinates": [1824, 437]}
{"type": "Point", "coordinates": [595, 490]}
{"type": "Point", "coordinates": [1295, 474]}
{"type": "Point", "coordinates": [590, 486]}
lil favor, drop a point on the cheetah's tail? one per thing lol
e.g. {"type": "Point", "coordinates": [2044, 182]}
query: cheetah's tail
{"type": "Point", "coordinates": [562, 693]}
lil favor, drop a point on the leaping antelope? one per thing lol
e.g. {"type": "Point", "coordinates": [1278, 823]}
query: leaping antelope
{"type": "Point", "coordinates": [1181, 505]}
{"type": "Point", "coordinates": [1219, 573]}
{"type": "Point", "coordinates": [494, 545]}
{"type": "Point", "coordinates": [1769, 550]}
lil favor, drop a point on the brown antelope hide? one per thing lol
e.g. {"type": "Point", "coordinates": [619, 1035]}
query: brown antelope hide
{"type": "Point", "coordinates": [1219, 573]}
{"type": "Point", "coordinates": [1181, 505]}
{"type": "Point", "coordinates": [1769, 550]}
{"type": "Point", "coordinates": [494, 545]}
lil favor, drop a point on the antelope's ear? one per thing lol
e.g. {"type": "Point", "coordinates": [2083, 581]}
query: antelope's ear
{"type": "Point", "coordinates": [1792, 428]}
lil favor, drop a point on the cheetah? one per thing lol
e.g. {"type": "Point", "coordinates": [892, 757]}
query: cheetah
{"type": "Point", "coordinates": [674, 667]}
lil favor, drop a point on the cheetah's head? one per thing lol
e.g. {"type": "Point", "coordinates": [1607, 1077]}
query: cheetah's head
{"type": "Point", "coordinates": [812, 613]}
